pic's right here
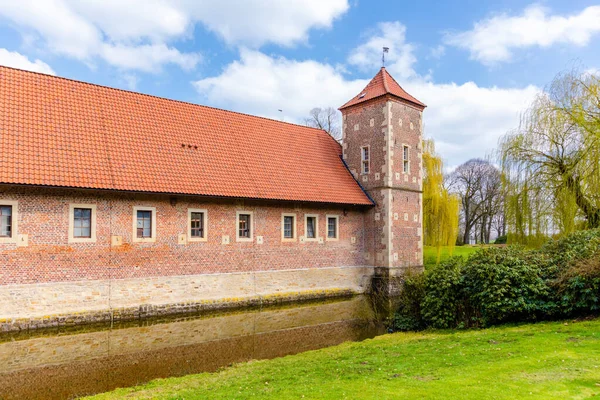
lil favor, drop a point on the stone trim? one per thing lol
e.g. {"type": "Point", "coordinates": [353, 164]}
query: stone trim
{"type": "Point", "coordinates": [337, 228]}
{"type": "Point", "coordinates": [294, 227]}
{"type": "Point", "coordinates": [237, 226]}
{"type": "Point", "coordinates": [316, 238]}
{"type": "Point", "coordinates": [134, 237]}
{"type": "Point", "coordinates": [190, 238]}
{"type": "Point", "coordinates": [72, 238]}
{"type": "Point", "coordinates": [15, 221]}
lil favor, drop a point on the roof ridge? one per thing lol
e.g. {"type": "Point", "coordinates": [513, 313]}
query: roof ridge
{"type": "Point", "coordinates": [159, 97]}
{"type": "Point", "coordinates": [384, 76]}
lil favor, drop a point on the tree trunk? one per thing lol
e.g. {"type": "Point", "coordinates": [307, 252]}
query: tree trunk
{"type": "Point", "coordinates": [592, 213]}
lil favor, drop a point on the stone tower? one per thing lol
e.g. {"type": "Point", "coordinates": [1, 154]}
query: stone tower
{"type": "Point", "coordinates": [382, 132]}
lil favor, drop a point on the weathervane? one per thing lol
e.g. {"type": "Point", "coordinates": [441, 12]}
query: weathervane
{"type": "Point", "coordinates": [385, 50]}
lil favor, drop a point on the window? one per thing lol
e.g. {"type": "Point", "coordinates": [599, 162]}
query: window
{"type": "Point", "coordinates": [288, 227]}
{"type": "Point", "coordinates": [405, 159]}
{"type": "Point", "coordinates": [82, 223]}
{"type": "Point", "coordinates": [144, 224]}
{"type": "Point", "coordinates": [365, 159]}
{"type": "Point", "coordinates": [311, 227]}
{"type": "Point", "coordinates": [197, 225]}
{"type": "Point", "coordinates": [332, 227]}
{"type": "Point", "coordinates": [6, 224]}
{"type": "Point", "coordinates": [244, 226]}
{"type": "Point", "coordinates": [8, 221]}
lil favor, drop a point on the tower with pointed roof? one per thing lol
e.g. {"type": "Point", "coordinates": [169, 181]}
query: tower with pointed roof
{"type": "Point", "coordinates": [382, 133]}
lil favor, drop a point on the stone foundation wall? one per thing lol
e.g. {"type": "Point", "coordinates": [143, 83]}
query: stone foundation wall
{"type": "Point", "coordinates": [30, 306]}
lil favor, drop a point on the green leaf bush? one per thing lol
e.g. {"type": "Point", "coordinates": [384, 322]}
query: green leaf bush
{"type": "Point", "coordinates": [506, 284]}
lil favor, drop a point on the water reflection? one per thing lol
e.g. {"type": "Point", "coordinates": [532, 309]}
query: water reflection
{"type": "Point", "coordinates": [60, 365]}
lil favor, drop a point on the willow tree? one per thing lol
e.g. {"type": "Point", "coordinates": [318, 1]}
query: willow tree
{"type": "Point", "coordinates": [440, 208]}
{"type": "Point", "coordinates": [551, 163]}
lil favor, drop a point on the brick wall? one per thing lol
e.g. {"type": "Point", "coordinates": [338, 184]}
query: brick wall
{"type": "Point", "coordinates": [49, 257]}
{"type": "Point", "coordinates": [393, 228]}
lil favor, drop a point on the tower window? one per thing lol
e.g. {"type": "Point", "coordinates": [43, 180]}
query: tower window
{"type": "Point", "coordinates": [405, 159]}
{"type": "Point", "coordinates": [365, 159]}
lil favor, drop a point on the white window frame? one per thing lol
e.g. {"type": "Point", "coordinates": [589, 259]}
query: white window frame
{"type": "Point", "coordinates": [306, 217]}
{"type": "Point", "coordinates": [72, 238]}
{"type": "Point", "coordinates": [362, 160]}
{"type": "Point", "coordinates": [237, 226]}
{"type": "Point", "coordinates": [14, 233]}
{"type": "Point", "coordinates": [294, 227]}
{"type": "Point", "coordinates": [190, 238]}
{"type": "Point", "coordinates": [151, 239]}
{"type": "Point", "coordinates": [406, 162]}
{"type": "Point", "coordinates": [337, 228]}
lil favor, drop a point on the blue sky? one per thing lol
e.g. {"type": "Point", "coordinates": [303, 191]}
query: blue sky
{"type": "Point", "coordinates": [476, 64]}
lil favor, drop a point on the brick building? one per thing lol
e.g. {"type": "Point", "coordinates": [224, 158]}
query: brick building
{"type": "Point", "coordinates": [115, 204]}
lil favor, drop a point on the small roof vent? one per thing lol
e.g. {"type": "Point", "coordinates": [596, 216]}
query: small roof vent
{"type": "Point", "coordinates": [363, 94]}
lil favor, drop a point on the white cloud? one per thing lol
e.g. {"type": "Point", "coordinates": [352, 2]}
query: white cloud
{"type": "Point", "coordinates": [17, 60]}
{"type": "Point", "coordinates": [437, 52]}
{"type": "Point", "coordinates": [465, 120]}
{"type": "Point", "coordinates": [137, 34]}
{"type": "Point", "coordinates": [145, 57]}
{"type": "Point", "coordinates": [259, 84]}
{"type": "Point", "coordinates": [65, 31]}
{"type": "Point", "coordinates": [256, 22]}
{"type": "Point", "coordinates": [399, 60]}
{"type": "Point", "coordinates": [494, 39]}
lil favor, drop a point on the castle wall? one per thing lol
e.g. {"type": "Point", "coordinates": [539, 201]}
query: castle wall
{"type": "Point", "coordinates": [45, 278]}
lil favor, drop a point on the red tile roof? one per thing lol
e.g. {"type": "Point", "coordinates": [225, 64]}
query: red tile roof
{"type": "Point", "coordinates": [383, 83]}
{"type": "Point", "coordinates": [59, 132]}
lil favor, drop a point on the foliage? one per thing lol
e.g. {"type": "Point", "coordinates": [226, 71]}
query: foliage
{"type": "Point", "coordinates": [501, 239]}
{"type": "Point", "coordinates": [553, 360]}
{"type": "Point", "coordinates": [440, 208]}
{"type": "Point", "coordinates": [561, 253]}
{"type": "Point", "coordinates": [499, 284]}
{"type": "Point", "coordinates": [578, 287]}
{"type": "Point", "coordinates": [505, 285]}
{"type": "Point", "coordinates": [408, 317]}
{"type": "Point", "coordinates": [551, 163]}
{"type": "Point", "coordinates": [443, 302]}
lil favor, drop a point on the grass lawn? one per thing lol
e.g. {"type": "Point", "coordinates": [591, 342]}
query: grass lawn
{"type": "Point", "coordinates": [430, 253]}
{"type": "Point", "coordinates": [555, 360]}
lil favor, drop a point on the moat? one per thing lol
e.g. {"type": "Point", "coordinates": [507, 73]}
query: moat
{"type": "Point", "coordinates": [65, 363]}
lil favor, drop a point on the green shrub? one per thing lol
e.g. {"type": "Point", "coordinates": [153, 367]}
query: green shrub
{"type": "Point", "coordinates": [505, 284]}
{"type": "Point", "coordinates": [408, 316]}
{"type": "Point", "coordinates": [501, 239]}
{"type": "Point", "coordinates": [578, 287]}
{"type": "Point", "coordinates": [444, 305]}
{"type": "Point", "coordinates": [560, 254]}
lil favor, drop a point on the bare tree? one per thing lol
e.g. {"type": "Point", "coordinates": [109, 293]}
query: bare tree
{"type": "Point", "coordinates": [479, 185]}
{"type": "Point", "coordinates": [327, 119]}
